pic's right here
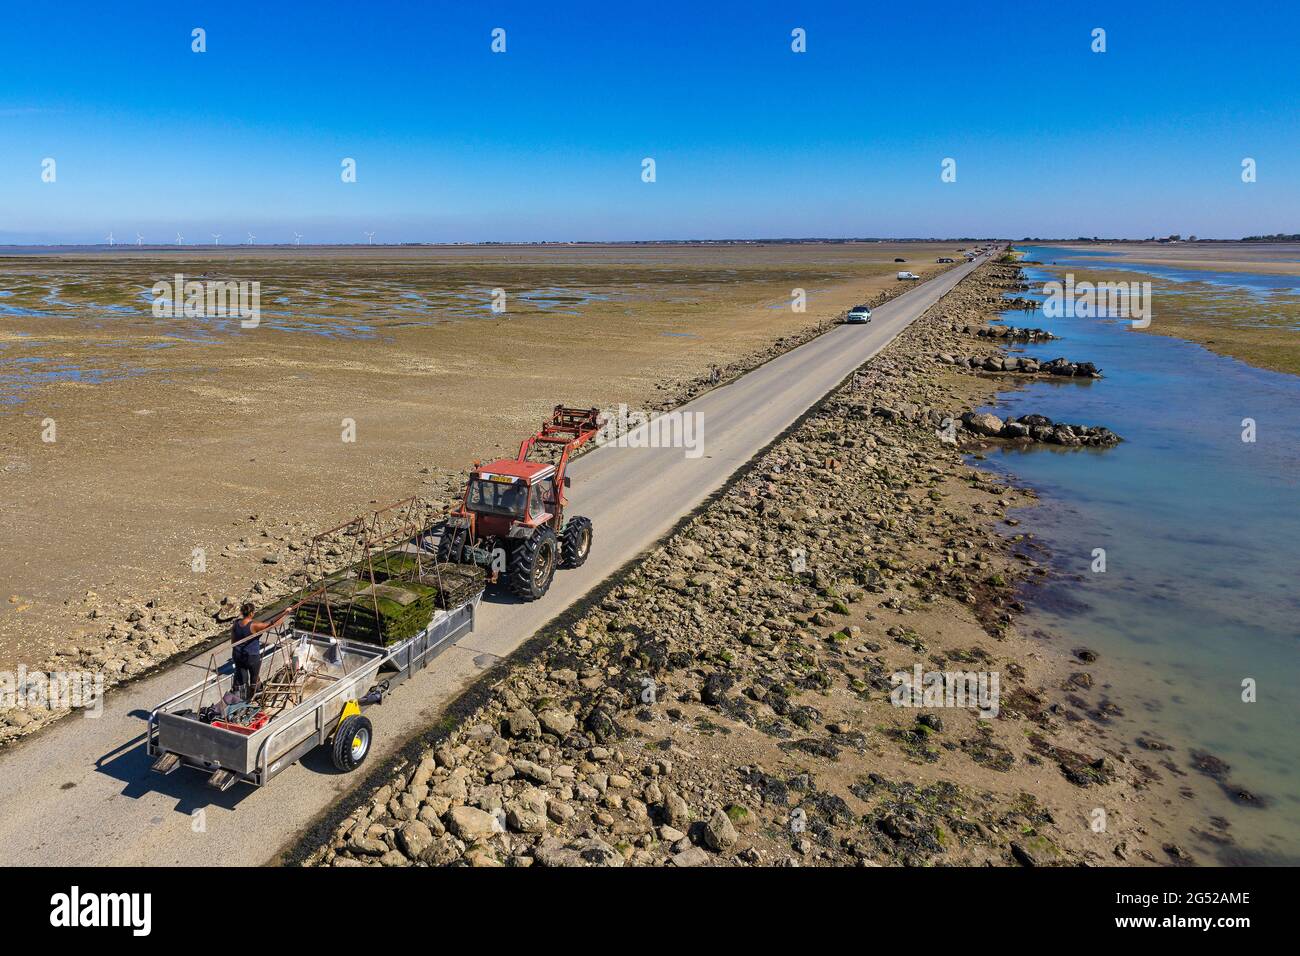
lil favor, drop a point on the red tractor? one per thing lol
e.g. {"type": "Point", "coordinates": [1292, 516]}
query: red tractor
{"type": "Point", "coordinates": [511, 518]}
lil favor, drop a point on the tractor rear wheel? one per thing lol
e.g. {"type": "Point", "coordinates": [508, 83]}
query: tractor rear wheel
{"type": "Point", "coordinates": [575, 541]}
{"type": "Point", "coordinates": [532, 565]}
{"type": "Point", "coordinates": [451, 546]}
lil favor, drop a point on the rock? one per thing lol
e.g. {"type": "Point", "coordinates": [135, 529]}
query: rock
{"type": "Point", "coordinates": [470, 823]}
{"type": "Point", "coordinates": [982, 423]}
{"type": "Point", "coordinates": [423, 773]}
{"type": "Point", "coordinates": [933, 721]}
{"type": "Point", "coordinates": [675, 811]}
{"type": "Point", "coordinates": [367, 845]}
{"type": "Point", "coordinates": [524, 818]}
{"type": "Point", "coordinates": [693, 856]}
{"type": "Point", "coordinates": [1209, 764]}
{"type": "Point", "coordinates": [601, 725]}
{"type": "Point", "coordinates": [414, 838]}
{"type": "Point", "coordinates": [18, 718]}
{"type": "Point", "coordinates": [1023, 856]}
{"type": "Point", "coordinates": [444, 851]}
{"type": "Point", "coordinates": [560, 812]}
{"type": "Point", "coordinates": [523, 725]}
{"type": "Point", "coordinates": [719, 834]}
{"type": "Point", "coordinates": [587, 852]}
{"type": "Point", "coordinates": [534, 772]}
{"type": "Point", "coordinates": [557, 722]}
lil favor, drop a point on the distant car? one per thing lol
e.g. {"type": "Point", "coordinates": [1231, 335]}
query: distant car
{"type": "Point", "coordinates": [900, 260]}
{"type": "Point", "coordinates": [908, 276]}
{"type": "Point", "coordinates": [944, 259]}
{"type": "Point", "coordinates": [858, 315]}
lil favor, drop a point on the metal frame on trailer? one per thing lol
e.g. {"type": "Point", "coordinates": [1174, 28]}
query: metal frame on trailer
{"type": "Point", "coordinates": [178, 739]}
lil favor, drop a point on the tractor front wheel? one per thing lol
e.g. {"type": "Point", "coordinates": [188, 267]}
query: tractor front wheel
{"type": "Point", "coordinates": [451, 546]}
{"type": "Point", "coordinates": [576, 541]}
{"type": "Point", "coordinates": [532, 565]}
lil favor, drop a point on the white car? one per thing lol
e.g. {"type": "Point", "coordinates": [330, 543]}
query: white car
{"type": "Point", "coordinates": [858, 315]}
{"type": "Point", "coordinates": [907, 276]}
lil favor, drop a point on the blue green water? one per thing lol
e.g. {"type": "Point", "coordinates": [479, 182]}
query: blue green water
{"type": "Point", "coordinates": [1202, 538]}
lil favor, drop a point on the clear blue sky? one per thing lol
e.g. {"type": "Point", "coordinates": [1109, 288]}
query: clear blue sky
{"type": "Point", "coordinates": [454, 143]}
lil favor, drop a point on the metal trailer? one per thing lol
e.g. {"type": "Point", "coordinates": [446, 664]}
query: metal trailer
{"type": "Point", "coordinates": [354, 674]}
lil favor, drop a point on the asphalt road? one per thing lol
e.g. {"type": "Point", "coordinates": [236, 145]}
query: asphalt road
{"type": "Point", "coordinates": [82, 792]}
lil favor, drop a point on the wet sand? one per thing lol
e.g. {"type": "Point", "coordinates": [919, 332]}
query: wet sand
{"type": "Point", "coordinates": [1258, 325]}
{"type": "Point", "coordinates": [1279, 258]}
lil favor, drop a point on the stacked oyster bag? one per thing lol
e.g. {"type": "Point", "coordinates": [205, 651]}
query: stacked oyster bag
{"type": "Point", "coordinates": [404, 597]}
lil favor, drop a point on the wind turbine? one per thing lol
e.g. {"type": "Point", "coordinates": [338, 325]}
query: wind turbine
{"type": "Point", "coordinates": [179, 239]}
{"type": "Point", "coordinates": [216, 238]}
{"type": "Point", "coordinates": [251, 239]}
{"type": "Point", "coordinates": [370, 238]}
{"type": "Point", "coordinates": [109, 237]}
{"type": "Point", "coordinates": [139, 239]}
{"type": "Point", "coordinates": [297, 238]}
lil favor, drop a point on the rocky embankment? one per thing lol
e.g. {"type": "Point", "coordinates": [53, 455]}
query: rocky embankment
{"type": "Point", "coordinates": [1061, 367]}
{"type": "Point", "coordinates": [734, 700]}
{"type": "Point", "coordinates": [1038, 428]}
{"type": "Point", "coordinates": [1008, 333]}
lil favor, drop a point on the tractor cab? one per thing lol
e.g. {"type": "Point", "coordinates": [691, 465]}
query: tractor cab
{"type": "Point", "coordinates": [505, 493]}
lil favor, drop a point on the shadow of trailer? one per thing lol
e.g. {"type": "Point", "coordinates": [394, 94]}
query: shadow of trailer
{"type": "Point", "coordinates": [343, 677]}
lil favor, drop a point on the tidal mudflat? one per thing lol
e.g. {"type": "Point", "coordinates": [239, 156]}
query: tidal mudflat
{"type": "Point", "coordinates": [1238, 299]}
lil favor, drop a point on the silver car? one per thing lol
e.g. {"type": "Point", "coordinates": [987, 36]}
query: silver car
{"type": "Point", "coordinates": [858, 315]}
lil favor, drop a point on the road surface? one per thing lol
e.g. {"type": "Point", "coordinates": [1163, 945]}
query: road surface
{"type": "Point", "coordinates": [82, 792]}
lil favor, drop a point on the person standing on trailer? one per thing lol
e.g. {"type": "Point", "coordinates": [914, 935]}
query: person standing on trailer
{"type": "Point", "coordinates": [246, 647]}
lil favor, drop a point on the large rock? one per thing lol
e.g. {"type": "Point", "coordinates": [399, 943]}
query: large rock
{"type": "Point", "coordinates": [414, 838]}
{"type": "Point", "coordinates": [557, 722]}
{"type": "Point", "coordinates": [522, 724]}
{"type": "Point", "coordinates": [692, 856]}
{"type": "Point", "coordinates": [719, 834]}
{"type": "Point", "coordinates": [527, 812]}
{"type": "Point", "coordinates": [675, 811]}
{"type": "Point", "coordinates": [471, 823]}
{"type": "Point", "coordinates": [589, 852]}
{"type": "Point", "coordinates": [982, 423]}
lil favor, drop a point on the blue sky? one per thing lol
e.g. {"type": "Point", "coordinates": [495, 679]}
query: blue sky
{"type": "Point", "coordinates": [545, 141]}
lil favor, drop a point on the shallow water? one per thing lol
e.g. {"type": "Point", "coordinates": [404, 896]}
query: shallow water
{"type": "Point", "coordinates": [1201, 532]}
{"type": "Point", "coordinates": [1262, 284]}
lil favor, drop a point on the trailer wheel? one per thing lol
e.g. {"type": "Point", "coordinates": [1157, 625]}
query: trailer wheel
{"type": "Point", "coordinates": [451, 546]}
{"type": "Point", "coordinates": [532, 565]}
{"type": "Point", "coordinates": [576, 541]}
{"type": "Point", "coordinates": [352, 742]}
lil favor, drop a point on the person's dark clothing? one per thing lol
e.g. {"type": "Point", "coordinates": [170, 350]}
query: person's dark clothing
{"type": "Point", "coordinates": [247, 656]}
